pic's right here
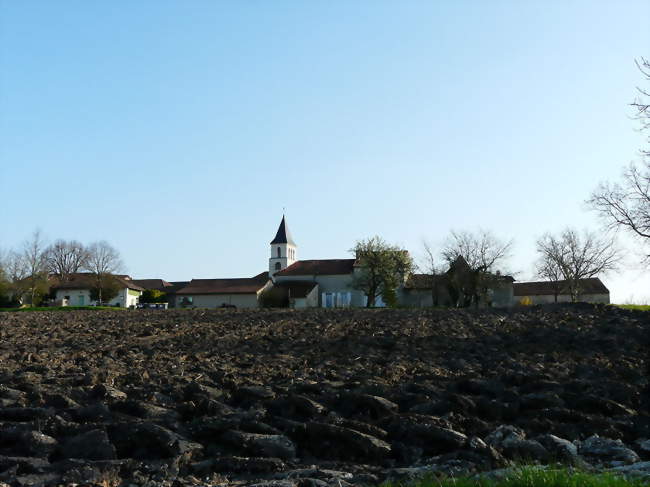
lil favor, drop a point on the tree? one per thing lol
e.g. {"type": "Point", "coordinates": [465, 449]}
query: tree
{"type": "Point", "coordinates": [16, 273]}
{"type": "Point", "coordinates": [106, 290]}
{"type": "Point", "coordinates": [431, 268]}
{"type": "Point", "coordinates": [550, 270]}
{"type": "Point", "coordinates": [153, 296]}
{"type": "Point", "coordinates": [5, 284]}
{"type": "Point", "coordinates": [381, 269]}
{"type": "Point", "coordinates": [473, 259]}
{"type": "Point", "coordinates": [627, 204]}
{"type": "Point", "coordinates": [66, 257]}
{"type": "Point", "coordinates": [103, 261]}
{"type": "Point", "coordinates": [577, 256]}
{"type": "Point", "coordinates": [33, 256]}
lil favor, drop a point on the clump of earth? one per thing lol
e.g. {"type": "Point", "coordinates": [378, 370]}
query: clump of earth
{"type": "Point", "coordinates": [318, 397]}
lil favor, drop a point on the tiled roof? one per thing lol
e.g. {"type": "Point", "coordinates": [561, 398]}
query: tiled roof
{"type": "Point", "coordinates": [246, 285]}
{"type": "Point", "coordinates": [159, 284]}
{"type": "Point", "coordinates": [86, 280]}
{"type": "Point", "coordinates": [548, 288]}
{"type": "Point", "coordinates": [318, 267]}
{"type": "Point", "coordinates": [283, 234]}
{"type": "Point", "coordinates": [176, 286]}
{"type": "Point", "coordinates": [296, 289]}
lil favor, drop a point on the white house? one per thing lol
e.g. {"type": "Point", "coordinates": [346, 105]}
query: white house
{"type": "Point", "coordinates": [76, 291]}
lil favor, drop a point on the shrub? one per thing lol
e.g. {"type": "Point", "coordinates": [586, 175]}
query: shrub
{"type": "Point", "coordinates": [153, 296]}
{"type": "Point", "coordinates": [525, 301]}
{"type": "Point", "coordinates": [275, 297]}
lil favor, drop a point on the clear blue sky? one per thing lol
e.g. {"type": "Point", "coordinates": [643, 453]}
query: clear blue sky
{"type": "Point", "coordinates": [178, 130]}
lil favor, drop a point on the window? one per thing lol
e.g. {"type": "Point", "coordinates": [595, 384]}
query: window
{"type": "Point", "coordinates": [277, 266]}
{"type": "Point", "coordinates": [336, 300]}
{"type": "Point", "coordinates": [279, 252]}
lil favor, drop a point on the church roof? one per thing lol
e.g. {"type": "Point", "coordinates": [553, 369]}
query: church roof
{"type": "Point", "coordinates": [284, 235]}
{"type": "Point", "coordinates": [319, 267]}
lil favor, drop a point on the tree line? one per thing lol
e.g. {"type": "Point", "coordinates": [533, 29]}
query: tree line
{"type": "Point", "coordinates": [26, 272]}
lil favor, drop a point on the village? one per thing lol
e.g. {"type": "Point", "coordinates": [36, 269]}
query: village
{"type": "Point", "coordinates": [326, 283]}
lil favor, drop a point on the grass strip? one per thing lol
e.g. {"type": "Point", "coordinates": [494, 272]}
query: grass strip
{"type": "Point", "coordinates": [530, 477]}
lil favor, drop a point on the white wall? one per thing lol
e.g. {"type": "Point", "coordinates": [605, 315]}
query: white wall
{"type": "Point", "coordinates": [81, 297]}
{"type": "Point", "coordinates": [78, 297]}
{"type": "Point", "coordinates": [288, 255]}
{"type": "Point", "coordinates": [309, 301]}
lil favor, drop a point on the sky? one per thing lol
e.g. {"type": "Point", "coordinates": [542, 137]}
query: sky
{"type": "Point", "coordinates": [179, 131]}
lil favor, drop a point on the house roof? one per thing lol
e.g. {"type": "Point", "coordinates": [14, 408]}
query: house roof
{"type": "Point", "coordinates": [283, 235]}
{"type": "Point", "coordinates": [85, 280]}
{"type": "Point", "coordinates": [176, 286]}
{"type": "Point", "coordinates": [246, 285]}
{"type": "Point", "coordinates": [297, 289]}
{"type": "Point", "coordinates": [318, 267]}
{"type": "Point", "coordinates": [548, 288]}
{"type": "Point", "coordinates": [159, 284]}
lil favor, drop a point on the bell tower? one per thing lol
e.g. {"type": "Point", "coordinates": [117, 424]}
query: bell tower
{"type": "Point", "coordinates": [283, 249]}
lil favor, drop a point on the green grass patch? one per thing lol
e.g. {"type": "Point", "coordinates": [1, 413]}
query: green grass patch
{"type": "Point", "coordinates": [531, 477]}
{"type": "Point", "coordinates": [640, 307]}
{"type": "Point", "coordinates": [60, 308]}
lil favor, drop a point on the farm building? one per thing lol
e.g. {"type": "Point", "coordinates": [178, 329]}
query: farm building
{"type": "Point", "coordinates": [544, 292]}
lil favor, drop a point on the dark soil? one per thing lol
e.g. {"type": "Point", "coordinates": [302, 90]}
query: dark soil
{"type": "Point", "coordinates": [183, 397]}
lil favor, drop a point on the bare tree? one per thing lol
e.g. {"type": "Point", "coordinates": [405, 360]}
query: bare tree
{"type": "Point", "coordinates": [103, 261]}
{"type": "Point", "coordinates": [432, 267]}
{"type": "Point", "coordinates": [480, 254]}
{"type": "Point", "coordinates": [482, 250]}
{"type": "Point", "coordinates": [16, 272]}
{"type": "Point", "coordinates": [549, 270]}
{"type": "Point", "coordinates": [66, 257]}
{"type": "Point", "coordinates": [578, 256]}
{"type": "Point", "coordinates": [642, 102]}
{"type": "Point", "coordinates": [33, 255]}
{"type": "Point", "coordinates": [627, 204]}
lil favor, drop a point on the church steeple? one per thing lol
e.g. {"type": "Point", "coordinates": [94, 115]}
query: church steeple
{"type": "Point", "coordinates": [283, 236]}
{"type": "Point", "coordinates": [283, 249]}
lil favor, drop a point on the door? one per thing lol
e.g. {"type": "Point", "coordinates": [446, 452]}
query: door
{"type": "Point", "coordinates": [81, 300]}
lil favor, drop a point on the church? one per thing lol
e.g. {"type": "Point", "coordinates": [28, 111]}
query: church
{"type": "Point", "coordinates": [323, 283]}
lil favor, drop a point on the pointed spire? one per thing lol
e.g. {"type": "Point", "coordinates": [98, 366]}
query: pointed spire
{"type": "Point", "coordinates": [283, 236]}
